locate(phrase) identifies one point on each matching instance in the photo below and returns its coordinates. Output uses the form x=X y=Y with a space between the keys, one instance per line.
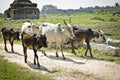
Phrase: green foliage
x=1 y=15
x=101 y=11
x=11 y=71
x=113 y=19
x=117 y=4
x=109 y=25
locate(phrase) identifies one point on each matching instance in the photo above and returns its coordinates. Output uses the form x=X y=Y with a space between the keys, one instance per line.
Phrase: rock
x=110 y=50
x=115 y=43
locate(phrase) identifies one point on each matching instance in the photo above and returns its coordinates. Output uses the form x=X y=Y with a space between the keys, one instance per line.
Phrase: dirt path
x=69 y=69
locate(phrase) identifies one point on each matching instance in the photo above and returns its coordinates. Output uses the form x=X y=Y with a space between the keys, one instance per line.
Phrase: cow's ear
x=44 y=25
x=11 y=29
x=99 y=30
x=29 y=26
x=37 y=27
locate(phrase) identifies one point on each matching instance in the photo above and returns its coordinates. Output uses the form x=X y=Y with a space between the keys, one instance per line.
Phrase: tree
x=117 y=5
x=97 y=7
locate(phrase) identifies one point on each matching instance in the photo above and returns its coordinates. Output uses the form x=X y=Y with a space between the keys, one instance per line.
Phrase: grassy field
x=11 y=71
x=105 y=21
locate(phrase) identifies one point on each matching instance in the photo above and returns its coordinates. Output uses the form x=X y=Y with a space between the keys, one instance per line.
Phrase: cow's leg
x=24 y=50
x=57 y=50
x=36 y=57
x=5 y=48
x=86 y=52
x=11 y=43
x=89 y=48
x=25 y=54
x=61 y=47
x=72 y=46
x=43 y=51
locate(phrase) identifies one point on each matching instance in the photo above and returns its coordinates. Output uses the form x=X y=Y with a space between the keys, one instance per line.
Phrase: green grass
x=80 y=19
x=98 y=54
x=12 y=71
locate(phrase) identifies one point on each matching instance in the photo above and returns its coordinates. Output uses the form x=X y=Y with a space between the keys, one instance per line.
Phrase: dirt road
x=70 y=69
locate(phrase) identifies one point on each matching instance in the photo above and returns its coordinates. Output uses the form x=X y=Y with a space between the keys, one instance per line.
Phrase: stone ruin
x=22 y=9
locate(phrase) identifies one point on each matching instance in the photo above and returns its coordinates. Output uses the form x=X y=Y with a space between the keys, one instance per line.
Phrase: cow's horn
x=64 y=22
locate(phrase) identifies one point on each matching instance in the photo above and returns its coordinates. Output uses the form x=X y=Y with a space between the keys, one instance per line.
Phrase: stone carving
x=22 y=9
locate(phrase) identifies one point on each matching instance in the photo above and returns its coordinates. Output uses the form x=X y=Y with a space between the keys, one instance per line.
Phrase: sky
x=63 y=4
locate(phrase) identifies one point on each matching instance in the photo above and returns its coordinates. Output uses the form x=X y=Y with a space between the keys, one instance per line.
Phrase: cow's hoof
x=38 y=65
x=45 y=54
x=57 y=56
x=64 y=58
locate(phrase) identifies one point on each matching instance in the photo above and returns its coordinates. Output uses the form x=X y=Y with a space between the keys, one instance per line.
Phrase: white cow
x=55 y=33
x=30 y=28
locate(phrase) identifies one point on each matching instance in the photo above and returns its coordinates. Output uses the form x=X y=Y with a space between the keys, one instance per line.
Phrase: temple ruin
x=22 y=9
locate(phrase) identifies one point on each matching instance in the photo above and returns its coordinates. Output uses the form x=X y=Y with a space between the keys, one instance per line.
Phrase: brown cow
x=83 y=34
x=35 y=42
x=11 y=35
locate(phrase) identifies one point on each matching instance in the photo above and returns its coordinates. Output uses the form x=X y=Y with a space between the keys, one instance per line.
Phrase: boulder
x=110 y=50
x=115 y=43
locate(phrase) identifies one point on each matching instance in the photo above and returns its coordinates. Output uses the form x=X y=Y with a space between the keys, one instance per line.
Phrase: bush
x=97 y=18
x=112 y=19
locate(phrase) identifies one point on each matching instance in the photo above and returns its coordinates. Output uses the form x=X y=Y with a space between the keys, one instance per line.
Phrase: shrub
x=97 y=18
x=112 y=19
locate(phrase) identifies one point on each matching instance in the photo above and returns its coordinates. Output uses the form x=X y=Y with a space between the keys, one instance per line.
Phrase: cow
x=11 y=35
x=87 y=35
x=55 y=33
x=35 y=42
x=30 y=38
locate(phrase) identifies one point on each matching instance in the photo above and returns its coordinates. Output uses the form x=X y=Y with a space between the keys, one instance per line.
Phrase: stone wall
x=20 y=9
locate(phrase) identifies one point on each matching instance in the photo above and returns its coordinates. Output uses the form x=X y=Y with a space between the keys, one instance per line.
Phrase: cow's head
x=69 y=30
x=43 y=41
x=99 y=36
x=35 y=29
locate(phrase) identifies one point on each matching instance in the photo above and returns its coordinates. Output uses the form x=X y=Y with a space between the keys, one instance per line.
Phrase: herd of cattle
x=38 y=37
